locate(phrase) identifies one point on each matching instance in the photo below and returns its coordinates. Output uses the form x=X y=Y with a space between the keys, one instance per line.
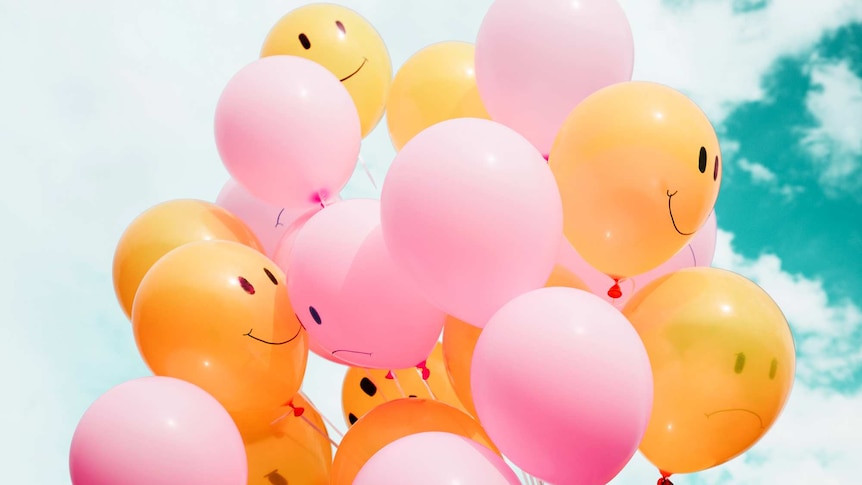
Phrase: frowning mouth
x=364 y=60
x=351 y=352
x=273 y=343
x=670 y=210
x=759 y=419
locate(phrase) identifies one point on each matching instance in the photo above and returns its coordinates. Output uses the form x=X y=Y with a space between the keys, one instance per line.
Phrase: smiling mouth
x=670 y=210
x=364 y=60
x=759 y=419
x=273 y=343
x=351 y=352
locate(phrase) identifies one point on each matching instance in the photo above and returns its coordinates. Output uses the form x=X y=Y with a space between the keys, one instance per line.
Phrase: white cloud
x=835 y=144
x=107 y=110
x=759 y=172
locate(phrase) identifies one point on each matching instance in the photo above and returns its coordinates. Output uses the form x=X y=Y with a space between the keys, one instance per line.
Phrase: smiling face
x=723 y=362
x=639 y=170
x=217 y=314
x=344 y=42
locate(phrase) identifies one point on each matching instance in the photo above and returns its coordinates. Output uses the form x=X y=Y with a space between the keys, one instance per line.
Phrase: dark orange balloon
x=459 y=340
x=365 y=389
x=167 y=226
x=397 y=419
x=216 y=314
x=284 y=448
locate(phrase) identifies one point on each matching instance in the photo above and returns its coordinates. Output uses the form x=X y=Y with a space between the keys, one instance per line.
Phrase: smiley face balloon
x=723 y=363
x=344 y=42
x=639 y=169
x=217 y=314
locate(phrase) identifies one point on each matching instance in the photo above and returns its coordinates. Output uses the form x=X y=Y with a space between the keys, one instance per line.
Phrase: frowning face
x=345 y=43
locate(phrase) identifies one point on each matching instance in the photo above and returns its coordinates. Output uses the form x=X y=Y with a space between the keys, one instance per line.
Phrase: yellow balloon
x=168 y=226
x=436 y=84
x=365 y=389
x=723 y=363
x=344 y=42
x=639 y=169
x=284 y=446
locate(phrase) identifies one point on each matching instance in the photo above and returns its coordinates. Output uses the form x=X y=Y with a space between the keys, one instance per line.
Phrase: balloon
x=365 y=389
x=637 y=166
x=698 y=252
x=535 y=61
x=436 y=84
x=723 y=362
x=268 y=222
x=217 y=314
x=286 y=446
x=470 y=211
x=156 y=431
x=343 y=42
x=288 y=132
x=435 y=458
x=352 y=298
x=459 y=340
x=397 y=419
x=562 y=385
x=164 y=227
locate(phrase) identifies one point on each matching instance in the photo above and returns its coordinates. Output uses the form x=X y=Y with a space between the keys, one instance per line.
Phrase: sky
x=106 y=109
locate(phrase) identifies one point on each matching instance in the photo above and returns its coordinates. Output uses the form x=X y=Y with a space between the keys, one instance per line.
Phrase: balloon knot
x=665 y=478
x=615 y=291
x=547 y=157
x=389 y=375
x=426 y=372
x=297 y=411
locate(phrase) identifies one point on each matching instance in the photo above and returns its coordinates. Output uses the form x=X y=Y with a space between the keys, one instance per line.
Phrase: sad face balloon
x=344 y=42
x=723 y=363
x=351 y=297
x=639 y=169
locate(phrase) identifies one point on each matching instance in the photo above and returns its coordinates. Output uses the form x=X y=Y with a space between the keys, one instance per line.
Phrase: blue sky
x=106 y=109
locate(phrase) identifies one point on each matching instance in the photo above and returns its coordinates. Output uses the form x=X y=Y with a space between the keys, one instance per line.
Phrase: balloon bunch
x=549 y=217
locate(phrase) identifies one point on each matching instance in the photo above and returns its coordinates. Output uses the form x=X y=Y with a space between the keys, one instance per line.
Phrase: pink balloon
x=351 y=297
x=268 y=222
x=288 y=131
x=562 y=384
x=535 y=61
x=435 y=458
x=157 y=431
x=471 y=211
x=698 y=252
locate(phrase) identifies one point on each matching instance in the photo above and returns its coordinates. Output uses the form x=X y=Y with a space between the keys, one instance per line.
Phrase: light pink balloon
x=698 y=252
x=535 y=61
x=268 y=222
x=352 y=298
x=157 y=431
x=471 y=211
x=562 y=384
x=287 y=130
x=435 y=458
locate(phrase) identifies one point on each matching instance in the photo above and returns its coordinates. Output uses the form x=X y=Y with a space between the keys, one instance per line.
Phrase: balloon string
x=316 y=428
x=367 y=172
x=368 y=375
x=427 y=387
x=397 y=383
x=325 y=419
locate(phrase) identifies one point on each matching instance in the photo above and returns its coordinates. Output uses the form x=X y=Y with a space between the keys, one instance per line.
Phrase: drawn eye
x=352 y=418
x=303 y=39
x=715 y=170
x=368 y=387
x=340 y=26
x=773 y=368
x=248 y=287
x=701 y=159
x=315 y=315
x=740 y=363
x=270 y=276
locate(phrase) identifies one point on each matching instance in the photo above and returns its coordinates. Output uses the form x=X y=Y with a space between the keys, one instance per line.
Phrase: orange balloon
x=217 y=314
x=283 y=448
x=365 y=389
x=638 y=168
x=459 y=340
x=397 y=419
x=723 y=363
x=167 y=226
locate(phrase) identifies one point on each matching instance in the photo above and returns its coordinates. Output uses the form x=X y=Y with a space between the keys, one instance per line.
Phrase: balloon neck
x=297 y=411
x=615 y=291
x=426 y=372
x=389 y=375
x=321 y=198
x=665 y=478
x=547 y=157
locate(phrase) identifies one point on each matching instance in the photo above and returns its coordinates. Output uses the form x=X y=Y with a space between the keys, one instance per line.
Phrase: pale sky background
x=106 y=109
